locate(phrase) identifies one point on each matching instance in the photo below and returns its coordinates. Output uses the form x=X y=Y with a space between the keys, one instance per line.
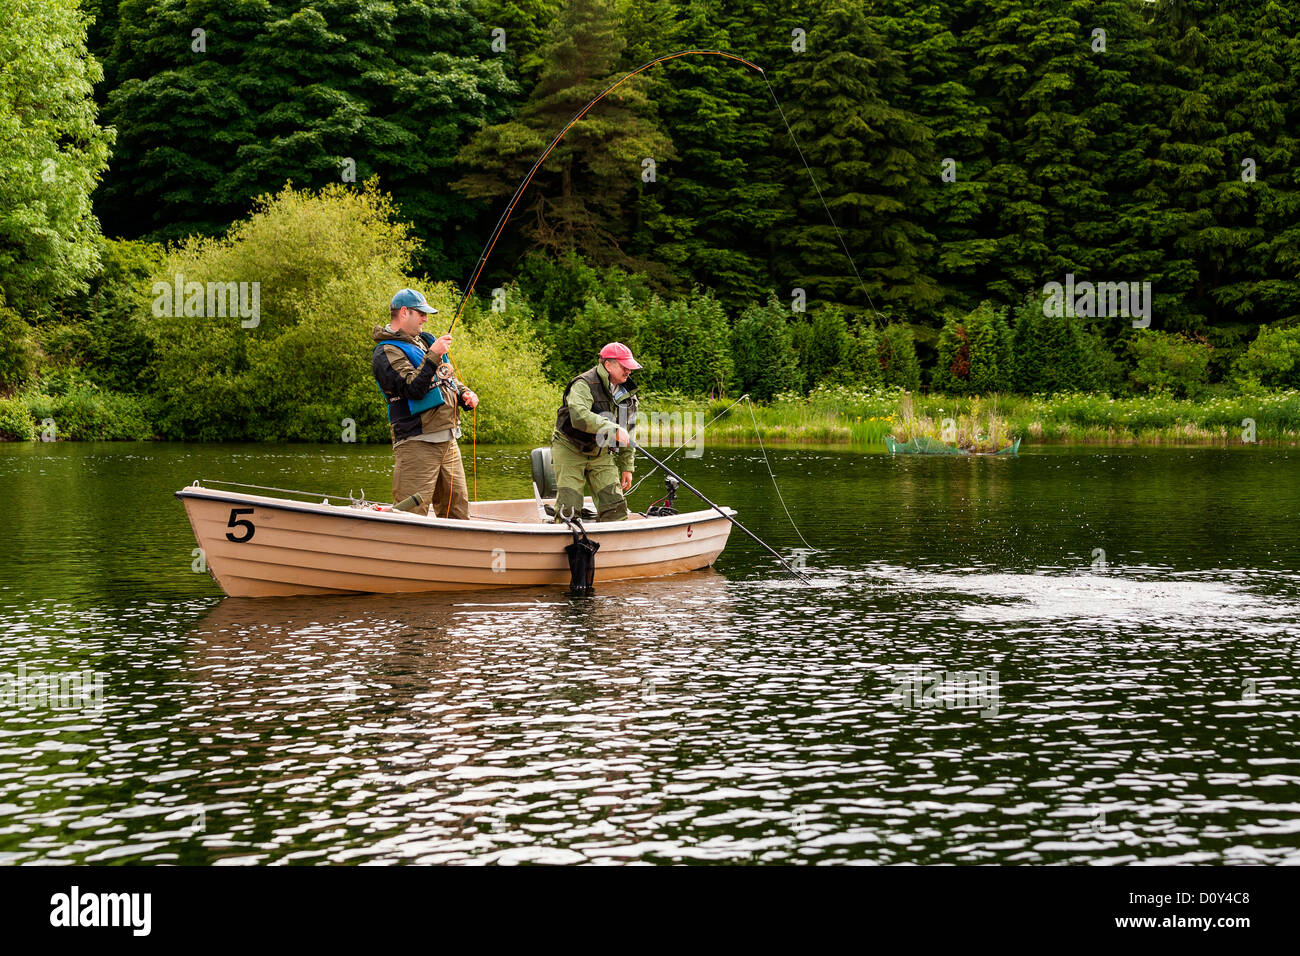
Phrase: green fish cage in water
x=924 y=445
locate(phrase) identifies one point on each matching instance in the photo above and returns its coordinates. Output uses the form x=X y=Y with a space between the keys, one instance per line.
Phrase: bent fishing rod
x=514 y=200
x=505 y=216
x=691 y=488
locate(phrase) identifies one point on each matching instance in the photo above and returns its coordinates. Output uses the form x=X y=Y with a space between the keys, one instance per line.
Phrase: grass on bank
x=828 y=415
x=841 y=415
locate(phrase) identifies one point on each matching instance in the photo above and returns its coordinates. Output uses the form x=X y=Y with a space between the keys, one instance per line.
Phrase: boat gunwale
x=490 y=525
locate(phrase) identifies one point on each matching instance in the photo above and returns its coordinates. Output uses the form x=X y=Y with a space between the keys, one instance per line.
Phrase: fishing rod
x=505 y=216
x=691 y=488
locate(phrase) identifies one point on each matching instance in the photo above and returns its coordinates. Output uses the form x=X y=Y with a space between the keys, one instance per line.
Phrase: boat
x=259 y=545
x=923 y=445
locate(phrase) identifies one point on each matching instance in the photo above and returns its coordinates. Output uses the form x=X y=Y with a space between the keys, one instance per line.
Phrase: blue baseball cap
x=410 y=299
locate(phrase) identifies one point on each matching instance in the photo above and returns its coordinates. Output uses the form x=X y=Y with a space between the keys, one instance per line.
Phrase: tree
x=896 y=353
x=52 y=153
x=974 y=352
x=763 y=350
x=869 y=159
x=709 y=217
x=579 y=198
x=218 y=103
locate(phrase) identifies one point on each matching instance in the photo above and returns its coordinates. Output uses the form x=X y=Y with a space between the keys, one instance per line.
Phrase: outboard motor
x=664 y=506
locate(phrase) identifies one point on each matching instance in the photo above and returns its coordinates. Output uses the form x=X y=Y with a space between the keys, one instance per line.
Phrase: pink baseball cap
x=621 y=354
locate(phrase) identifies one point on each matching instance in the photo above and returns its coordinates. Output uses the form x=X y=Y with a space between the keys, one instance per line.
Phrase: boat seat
x=544 y=488
x=543 y=473
x=543 y=482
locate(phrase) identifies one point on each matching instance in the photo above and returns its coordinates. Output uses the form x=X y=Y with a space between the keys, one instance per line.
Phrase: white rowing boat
x=261 y=546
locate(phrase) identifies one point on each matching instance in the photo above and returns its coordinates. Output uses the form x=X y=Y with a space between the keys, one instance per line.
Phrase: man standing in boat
x=591 y=446
x=415 y=376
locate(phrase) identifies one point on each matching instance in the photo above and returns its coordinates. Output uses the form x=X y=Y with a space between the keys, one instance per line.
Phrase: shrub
x=117 y=351
x=974 y=352
x=327 y=264
x=1169 y=362
x=763 y=350
x=501 y=359
x=861 y=366
x=1272 y=359
x=19 y=353
x=85 y=412
x=684 y=344
x=1057 y=354
x=600 y=321
x=16 y=422
x=896 y=355
x=822 y=343
x=559 y=290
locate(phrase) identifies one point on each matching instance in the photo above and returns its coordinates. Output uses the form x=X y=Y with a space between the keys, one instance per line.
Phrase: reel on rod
x=664 y=506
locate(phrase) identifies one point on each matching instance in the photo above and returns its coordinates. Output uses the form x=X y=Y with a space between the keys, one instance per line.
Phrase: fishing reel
x=664 y=506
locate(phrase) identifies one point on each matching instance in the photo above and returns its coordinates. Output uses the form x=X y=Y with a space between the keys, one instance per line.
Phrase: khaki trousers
x=576 y=473
x=435 y=470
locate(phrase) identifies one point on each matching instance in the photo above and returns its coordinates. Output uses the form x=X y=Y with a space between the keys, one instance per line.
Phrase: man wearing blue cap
x=415 y=376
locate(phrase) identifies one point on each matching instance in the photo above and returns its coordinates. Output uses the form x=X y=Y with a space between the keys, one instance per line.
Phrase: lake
x=1080 y=655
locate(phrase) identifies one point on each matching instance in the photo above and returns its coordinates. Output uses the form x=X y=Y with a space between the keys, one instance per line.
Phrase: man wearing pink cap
x=591 y=447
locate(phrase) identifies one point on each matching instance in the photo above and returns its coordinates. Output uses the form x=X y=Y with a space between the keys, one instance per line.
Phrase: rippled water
x=1080 y=656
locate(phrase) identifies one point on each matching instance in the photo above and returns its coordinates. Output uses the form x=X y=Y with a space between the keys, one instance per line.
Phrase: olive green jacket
x=583 y=417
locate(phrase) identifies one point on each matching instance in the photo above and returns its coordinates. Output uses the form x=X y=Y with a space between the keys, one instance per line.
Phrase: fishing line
x=773 y=476
x=838 y=234
x=669 y=456
x=748 y=401
x=514 y=200
x=505 y=216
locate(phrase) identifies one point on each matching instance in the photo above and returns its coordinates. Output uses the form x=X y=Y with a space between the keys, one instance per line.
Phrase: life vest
x=602 y=403
x=432 y=399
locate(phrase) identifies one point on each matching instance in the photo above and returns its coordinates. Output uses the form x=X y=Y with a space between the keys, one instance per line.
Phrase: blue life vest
x=432 y=399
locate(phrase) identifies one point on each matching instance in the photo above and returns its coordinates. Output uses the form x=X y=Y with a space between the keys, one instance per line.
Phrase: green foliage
x=685 y=344
x=871 y=159
x=1054 y=353
x=1169 y=362
x=682 y=344
x=16 y=422
x=308 y=91
x=578 y=343
x=710 y=215
x=862 y=358
x=1273 y=359
x=19 y=352
x=327 y=263
x=896 y=354
x=763 y=351
x=559 y=290
x=968 y=152
x=580 y=198
x=524 y=23
x=52 y=152
x=823 y=343
x=118 y=353
x=975 y=352
x=990 y=348
x=102 y=333
x=501 y=359
x=81 y=411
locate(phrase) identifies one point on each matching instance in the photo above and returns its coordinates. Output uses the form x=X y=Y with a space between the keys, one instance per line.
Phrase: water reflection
x=1146 y=711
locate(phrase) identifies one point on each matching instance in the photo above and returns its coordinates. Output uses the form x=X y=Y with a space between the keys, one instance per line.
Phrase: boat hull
x=257 y=546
